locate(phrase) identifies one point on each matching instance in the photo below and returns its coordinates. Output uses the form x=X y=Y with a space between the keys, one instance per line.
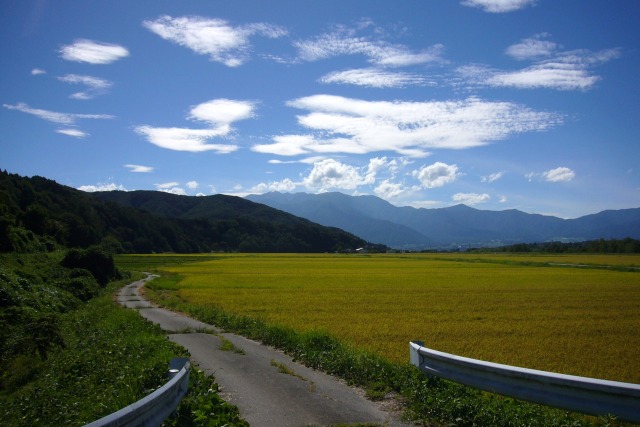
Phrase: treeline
x=38 y=214
x=600 y=246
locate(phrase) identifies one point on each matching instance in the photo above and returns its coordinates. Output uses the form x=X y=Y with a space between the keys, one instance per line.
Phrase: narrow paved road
x=252 y=379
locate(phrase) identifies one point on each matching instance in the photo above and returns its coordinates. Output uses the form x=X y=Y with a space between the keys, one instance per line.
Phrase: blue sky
x=498 y=104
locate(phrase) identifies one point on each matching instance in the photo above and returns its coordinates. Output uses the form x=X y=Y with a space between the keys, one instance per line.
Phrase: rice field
x=523 y=310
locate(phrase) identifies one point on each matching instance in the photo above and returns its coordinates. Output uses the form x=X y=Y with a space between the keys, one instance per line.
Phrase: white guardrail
x=572 y=393
x=153 y=409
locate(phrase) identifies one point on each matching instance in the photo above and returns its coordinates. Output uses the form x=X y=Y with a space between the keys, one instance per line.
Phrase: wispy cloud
x=139 y=168
x=532 y=48
x=307 y=160
x=76 y=133
x=554 y=69
x=498 y=6
x=346 y=125
x=37 y=72
x=67 y=119
x=213 y=37
x=374 y=77
x=559 y=174
x=95 y=85
x=492 y=177
x=218 y=113
x=93 y=52
x=345 y=41
x=56 y=117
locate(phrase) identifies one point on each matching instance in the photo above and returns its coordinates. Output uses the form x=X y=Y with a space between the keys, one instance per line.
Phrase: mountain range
x=377 y=220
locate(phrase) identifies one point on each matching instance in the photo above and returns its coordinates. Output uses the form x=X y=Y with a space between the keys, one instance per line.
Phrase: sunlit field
x=514 y=309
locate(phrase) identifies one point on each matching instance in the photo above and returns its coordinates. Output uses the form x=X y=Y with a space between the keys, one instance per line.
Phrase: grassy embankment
x=67 y=361
x=354 y=316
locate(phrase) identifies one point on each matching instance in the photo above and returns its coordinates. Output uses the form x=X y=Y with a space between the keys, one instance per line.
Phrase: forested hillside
x=38 y=214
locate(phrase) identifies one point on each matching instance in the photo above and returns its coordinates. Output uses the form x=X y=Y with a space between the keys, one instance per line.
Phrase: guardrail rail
x=153 y=409
x=577 y=394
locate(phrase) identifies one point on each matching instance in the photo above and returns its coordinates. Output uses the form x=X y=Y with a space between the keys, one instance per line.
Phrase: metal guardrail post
x=577 y=394
x=153 y=409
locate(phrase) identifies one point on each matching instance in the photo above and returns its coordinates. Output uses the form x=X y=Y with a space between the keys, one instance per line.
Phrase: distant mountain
x=374 y=219
x=38 y=214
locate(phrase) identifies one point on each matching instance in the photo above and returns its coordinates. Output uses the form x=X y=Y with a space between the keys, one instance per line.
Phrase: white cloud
x=532 y=47
x=96 y=86
x=102 y=187
x=192 y=185
x=307 y=160
x=561 y=174
x=374 y=77
x=498 y=6
x=219 y=113
x=389 y=190
x=171 y=188
x=93 y=52
x=375 y=165
x=181 y=139
x=330 y=174
x=379 y=52
x=286 y=145
x=492 y=177
x=213 y=37
x=166 y=185
x=55 y=117
x=73 y=132
x=560 y=70
x=436 y=175
x=284 y=186
x=139 y=168
x=37 y=72
x=470 y=198
x=376 y=176
x=347 y=125
x=222 y=112
x=175 y=190
x=550 y=75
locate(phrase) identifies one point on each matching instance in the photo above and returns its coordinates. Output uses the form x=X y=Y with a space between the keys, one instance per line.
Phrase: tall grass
x=432 y=401
x=325 y=309
x=580 y=321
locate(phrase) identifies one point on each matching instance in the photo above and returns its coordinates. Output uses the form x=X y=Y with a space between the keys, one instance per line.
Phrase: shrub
x=97 y=261
x=81 y=284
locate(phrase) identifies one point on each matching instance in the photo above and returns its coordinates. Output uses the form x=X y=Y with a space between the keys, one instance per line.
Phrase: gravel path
x=268 y=387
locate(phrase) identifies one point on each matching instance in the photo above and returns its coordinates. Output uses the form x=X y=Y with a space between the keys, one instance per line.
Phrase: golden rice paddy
x=530 y=311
